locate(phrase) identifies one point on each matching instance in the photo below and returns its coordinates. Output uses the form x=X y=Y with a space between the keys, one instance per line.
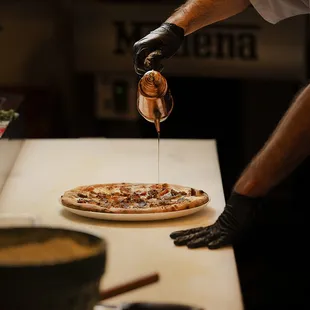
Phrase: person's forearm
x=195 y=14
x=287 y=147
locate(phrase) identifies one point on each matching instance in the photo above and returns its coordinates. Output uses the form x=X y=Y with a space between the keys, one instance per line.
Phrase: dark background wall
x=50 y=56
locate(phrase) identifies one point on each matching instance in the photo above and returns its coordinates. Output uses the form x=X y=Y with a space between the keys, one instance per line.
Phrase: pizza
x=134 y=198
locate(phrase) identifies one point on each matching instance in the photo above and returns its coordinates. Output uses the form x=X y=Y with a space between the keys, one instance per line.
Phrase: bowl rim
x=102 y=247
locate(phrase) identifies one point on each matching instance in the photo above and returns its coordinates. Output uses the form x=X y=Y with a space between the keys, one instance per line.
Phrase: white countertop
x=9 y=149
x=44 y=169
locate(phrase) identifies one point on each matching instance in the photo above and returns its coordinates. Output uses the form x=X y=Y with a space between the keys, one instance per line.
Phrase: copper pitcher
x=154 y=100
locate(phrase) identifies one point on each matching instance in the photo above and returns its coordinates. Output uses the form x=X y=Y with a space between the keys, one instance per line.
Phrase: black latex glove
x=236 y=219
x=167 y=39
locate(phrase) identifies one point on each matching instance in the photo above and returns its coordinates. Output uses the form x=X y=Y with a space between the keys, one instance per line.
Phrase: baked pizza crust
x=199 y=197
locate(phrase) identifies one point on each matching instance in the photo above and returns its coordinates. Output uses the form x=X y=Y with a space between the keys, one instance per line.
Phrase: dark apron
x=272 y=261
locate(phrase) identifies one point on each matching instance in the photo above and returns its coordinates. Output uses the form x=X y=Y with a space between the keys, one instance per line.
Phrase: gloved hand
x=167 y=39
x=238 y=216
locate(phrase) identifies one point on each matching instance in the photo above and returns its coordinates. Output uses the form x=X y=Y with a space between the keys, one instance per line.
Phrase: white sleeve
x=274 y=11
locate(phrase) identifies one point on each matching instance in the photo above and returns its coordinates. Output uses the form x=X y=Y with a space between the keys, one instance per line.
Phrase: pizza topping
x=118 y=199
x=125 y=190
x=155 y=186
x=125 y=205
x=101 y=195
x=152 y=194
x=163 y=195
x=104 y=204
x=82 y=200
x=164 y=191
x=142 y=204
x=173 y=192
x=136 y=198
x=167 y=196
x=94 y=202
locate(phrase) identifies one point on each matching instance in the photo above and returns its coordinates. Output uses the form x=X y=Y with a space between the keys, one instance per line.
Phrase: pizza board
x=135 y=217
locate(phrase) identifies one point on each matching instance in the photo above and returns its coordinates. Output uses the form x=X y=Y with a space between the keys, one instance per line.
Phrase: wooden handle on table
x=129 y=286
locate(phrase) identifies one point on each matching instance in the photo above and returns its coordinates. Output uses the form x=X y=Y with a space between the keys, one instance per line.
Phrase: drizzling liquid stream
x=157 y=126
x=158 y=156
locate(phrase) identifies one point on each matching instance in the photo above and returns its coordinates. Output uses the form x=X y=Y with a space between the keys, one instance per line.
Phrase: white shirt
x=274 y=11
